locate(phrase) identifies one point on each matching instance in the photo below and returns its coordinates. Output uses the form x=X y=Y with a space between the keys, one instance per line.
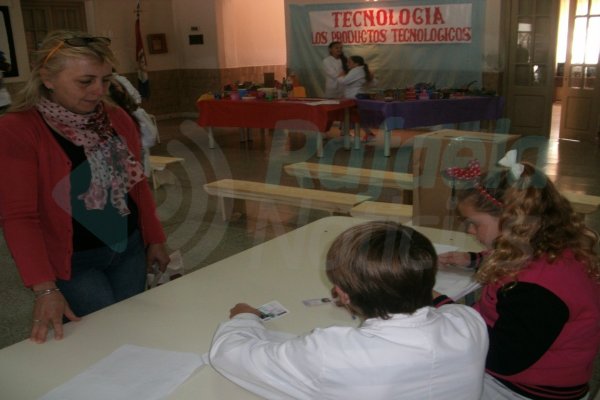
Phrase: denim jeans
x=101 y=277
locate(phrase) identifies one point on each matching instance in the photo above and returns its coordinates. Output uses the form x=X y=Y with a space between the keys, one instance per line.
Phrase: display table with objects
x=389 y=115
x=302 y=114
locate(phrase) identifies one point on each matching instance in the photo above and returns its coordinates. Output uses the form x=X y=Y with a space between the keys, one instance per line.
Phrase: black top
x=94 y=228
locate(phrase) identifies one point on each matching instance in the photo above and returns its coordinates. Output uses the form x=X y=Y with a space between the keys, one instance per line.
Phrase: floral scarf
x=112 y=165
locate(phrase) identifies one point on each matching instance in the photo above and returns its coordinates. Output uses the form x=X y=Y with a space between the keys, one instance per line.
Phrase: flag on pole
x=140 y=56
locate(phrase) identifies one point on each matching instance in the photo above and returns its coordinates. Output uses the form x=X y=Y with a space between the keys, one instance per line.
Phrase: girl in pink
x=541 y=293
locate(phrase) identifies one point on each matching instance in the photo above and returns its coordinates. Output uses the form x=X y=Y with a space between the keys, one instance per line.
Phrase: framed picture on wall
x=7 y=44
x=157 y=43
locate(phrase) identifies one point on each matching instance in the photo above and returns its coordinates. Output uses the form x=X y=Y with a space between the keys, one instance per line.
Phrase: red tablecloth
x=416 y=113
x=271 y=114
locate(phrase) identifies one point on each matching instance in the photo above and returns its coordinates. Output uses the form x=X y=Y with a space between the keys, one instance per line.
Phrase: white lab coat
x=353 y=81
x=332 y=67
x=433 y=354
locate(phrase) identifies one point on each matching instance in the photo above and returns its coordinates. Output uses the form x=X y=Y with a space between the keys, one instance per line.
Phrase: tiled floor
x=190 y=219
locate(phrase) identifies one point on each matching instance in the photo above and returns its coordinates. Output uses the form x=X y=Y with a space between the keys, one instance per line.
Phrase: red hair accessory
x=488 y=196
x=470 y=173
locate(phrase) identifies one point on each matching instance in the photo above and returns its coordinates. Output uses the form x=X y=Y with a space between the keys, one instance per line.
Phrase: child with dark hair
x=355 y=81
x=126 y=96
x=5 y=99
x=355 y=78
x=541 y=294
x=404 y=348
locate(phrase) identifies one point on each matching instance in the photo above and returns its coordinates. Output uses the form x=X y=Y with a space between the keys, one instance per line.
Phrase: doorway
x=578 y=51
x=550 y=59
x=531 y=27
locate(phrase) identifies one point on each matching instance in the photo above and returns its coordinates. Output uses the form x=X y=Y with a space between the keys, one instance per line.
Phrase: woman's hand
x=48 y=312
x=242 y=308
x=454 y=259
x=157 y=253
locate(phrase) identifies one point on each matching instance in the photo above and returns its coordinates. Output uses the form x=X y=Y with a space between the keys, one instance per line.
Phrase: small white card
x=316 y=302
x=272 y=310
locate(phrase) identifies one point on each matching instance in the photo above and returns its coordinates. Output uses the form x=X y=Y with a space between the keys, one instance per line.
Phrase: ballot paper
x=455 y=282
x=130 y=373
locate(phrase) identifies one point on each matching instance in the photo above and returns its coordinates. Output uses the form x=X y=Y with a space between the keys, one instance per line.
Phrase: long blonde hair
x=535 y=220
x=52 y=56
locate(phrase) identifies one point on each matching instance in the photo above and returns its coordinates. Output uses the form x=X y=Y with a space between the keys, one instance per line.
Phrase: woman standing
x=76 y=210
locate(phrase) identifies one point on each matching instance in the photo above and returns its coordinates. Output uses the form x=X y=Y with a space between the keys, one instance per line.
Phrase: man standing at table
x=333 y=66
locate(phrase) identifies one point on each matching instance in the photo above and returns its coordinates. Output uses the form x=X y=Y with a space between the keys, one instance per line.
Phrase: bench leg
x=319 y=144
x=155 y=183
x=387 y=139
x=211 y=138
x=226 y=206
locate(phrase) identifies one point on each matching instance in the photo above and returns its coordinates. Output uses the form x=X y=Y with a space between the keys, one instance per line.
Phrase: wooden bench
x=363 y=176
x=582 y=203
x=332 y=202
x=377 y=210
x=158 y=164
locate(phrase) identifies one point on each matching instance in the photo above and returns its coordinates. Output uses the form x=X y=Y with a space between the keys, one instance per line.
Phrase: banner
x=140 y=56
x=404 y=42
x=426 y=24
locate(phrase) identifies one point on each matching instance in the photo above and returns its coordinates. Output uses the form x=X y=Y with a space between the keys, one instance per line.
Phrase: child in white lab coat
x=403 y=348
x=355 y=81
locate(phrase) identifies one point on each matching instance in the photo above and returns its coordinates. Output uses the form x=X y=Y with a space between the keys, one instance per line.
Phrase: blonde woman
x=76 y=210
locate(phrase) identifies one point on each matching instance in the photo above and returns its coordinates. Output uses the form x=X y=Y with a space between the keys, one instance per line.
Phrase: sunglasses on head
x=77 y=41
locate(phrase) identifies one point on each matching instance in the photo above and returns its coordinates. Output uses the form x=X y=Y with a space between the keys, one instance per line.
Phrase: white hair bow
x=510 y=161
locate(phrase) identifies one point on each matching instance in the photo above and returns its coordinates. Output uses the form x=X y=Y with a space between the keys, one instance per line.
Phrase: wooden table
x=303 y=114
x=182 y=315
x=391 y=115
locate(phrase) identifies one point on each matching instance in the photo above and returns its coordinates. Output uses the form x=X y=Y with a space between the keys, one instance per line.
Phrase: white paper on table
x=455 y=282
x=129 y=373
x=320 y=102
x=443 y=248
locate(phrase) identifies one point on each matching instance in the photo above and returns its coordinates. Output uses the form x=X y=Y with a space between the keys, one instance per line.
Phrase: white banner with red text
x=426 y=24
x=404 y=42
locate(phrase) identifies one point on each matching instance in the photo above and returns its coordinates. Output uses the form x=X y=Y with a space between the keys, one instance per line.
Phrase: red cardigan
x=34 y=180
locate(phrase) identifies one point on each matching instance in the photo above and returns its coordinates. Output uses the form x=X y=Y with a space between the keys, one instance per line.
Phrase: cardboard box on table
x=436 y=151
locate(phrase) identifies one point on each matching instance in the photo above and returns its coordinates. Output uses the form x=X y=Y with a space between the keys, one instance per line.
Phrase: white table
x=182 y=315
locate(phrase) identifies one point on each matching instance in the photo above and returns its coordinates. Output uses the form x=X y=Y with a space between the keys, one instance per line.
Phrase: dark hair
x=384 y=267
x=118 y=94
x=358 y=60
x=535 y=220
x=343 y=57
x=336 y=42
